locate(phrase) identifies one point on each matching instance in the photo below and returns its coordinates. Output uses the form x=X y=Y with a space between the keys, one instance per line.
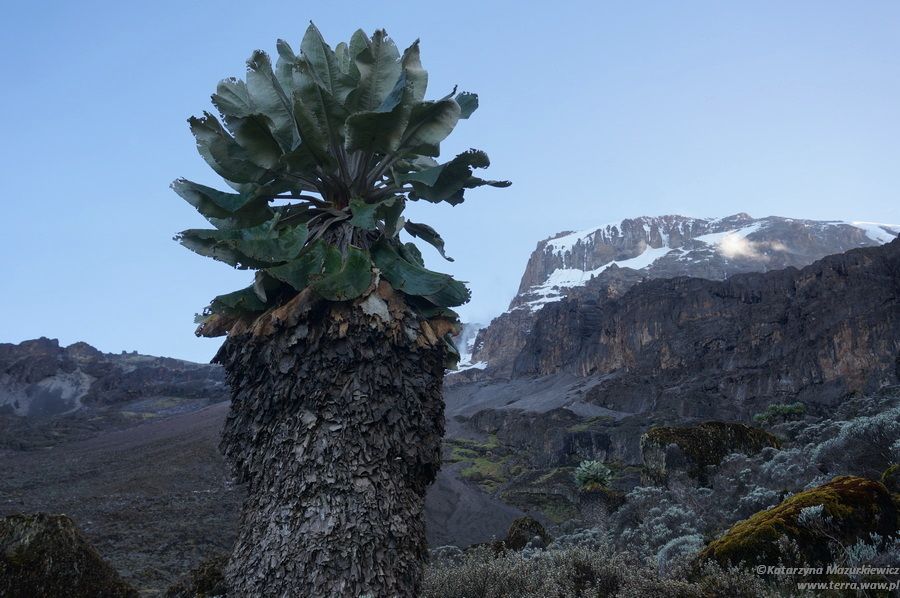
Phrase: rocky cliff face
x=38 y=379
x=698 y=347
x=612 y=258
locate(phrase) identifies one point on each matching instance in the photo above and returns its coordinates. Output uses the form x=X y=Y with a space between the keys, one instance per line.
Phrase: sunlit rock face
x=700 y=347
x=602 y=263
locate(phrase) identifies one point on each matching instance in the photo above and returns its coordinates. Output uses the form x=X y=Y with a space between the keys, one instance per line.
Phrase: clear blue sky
x=596 y=111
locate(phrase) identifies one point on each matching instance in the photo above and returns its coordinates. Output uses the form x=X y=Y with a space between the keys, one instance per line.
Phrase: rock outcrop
x=725 y=349
x=691 y=449
x=45 y=555
x=611 y=258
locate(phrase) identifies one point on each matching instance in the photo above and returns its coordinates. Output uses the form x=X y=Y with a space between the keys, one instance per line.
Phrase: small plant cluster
x=780 y=412
x=592 y=475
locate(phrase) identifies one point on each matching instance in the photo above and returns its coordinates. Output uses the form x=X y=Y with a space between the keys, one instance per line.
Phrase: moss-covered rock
x=206 y=581
x=522 y=530
x=46 y=555
x=693 y=448
x=847 y=509
x=891 y=478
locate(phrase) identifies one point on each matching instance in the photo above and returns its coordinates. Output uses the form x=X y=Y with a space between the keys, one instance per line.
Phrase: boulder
x=46 y=555
x=205 y=581
x=845 y=510
x=694 y=448
x=522 y=531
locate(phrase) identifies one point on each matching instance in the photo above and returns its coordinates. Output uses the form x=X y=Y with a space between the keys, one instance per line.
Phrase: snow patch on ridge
x=732 y=244
x=465 y=344
x=565 y=278
x=880 y=233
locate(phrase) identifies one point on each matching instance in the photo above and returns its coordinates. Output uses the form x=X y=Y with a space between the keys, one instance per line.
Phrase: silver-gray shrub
x=864 y=445
x=678 y=549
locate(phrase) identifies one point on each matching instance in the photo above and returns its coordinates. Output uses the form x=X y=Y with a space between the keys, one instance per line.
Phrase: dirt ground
x=155 y=499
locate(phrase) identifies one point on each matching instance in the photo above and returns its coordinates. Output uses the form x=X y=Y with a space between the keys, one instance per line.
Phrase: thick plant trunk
x=335 y=425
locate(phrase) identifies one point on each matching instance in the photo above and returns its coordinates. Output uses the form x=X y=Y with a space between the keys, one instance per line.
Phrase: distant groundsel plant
x=336 y=352
x=592 y=474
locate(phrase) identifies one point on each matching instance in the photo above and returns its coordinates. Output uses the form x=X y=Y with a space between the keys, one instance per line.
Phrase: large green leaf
x=429 y=310
x=457 y=169
x=344 y=278
x=201 y=242
x=274 y=246
x=389 y=211
x=378 y=63
x=313 y=127
x=415 y=78
x=224 y=210
x=223 y=154
x=363 y=213
x=427 y=234
x=256 y=247
x=410 y=252
x=429 y=124
x=381 y=129
x=297 y=272
x=233 y=99
x=238 y=302
x=267 y=93
x=319 y=114
x=286 y=67
x=346 y=63
x=253 y=133
x=302 y=162
x=412 y=279
x=325 y=65
x=468 y=103
x=445 y=182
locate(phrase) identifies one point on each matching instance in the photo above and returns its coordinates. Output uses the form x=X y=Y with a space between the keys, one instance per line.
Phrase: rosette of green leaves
x=322 y=151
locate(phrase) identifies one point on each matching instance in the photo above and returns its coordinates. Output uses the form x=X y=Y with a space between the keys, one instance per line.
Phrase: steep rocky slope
x=728 y=348
x=602 y=365
x=612 y=258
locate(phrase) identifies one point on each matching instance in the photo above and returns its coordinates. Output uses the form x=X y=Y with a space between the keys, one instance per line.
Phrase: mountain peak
x=674 y=245
x=613 y=257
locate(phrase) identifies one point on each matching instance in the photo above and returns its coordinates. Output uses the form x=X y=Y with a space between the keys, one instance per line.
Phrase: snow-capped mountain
x=614 y=257
x=667 y=246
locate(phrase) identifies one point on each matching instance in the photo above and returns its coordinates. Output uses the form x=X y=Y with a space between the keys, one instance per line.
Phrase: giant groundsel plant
x=322 y=151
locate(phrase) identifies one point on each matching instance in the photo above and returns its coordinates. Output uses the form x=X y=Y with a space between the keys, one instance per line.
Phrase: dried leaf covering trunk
x=335 y=425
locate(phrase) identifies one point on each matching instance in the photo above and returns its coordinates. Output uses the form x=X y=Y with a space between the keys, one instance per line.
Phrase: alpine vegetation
x=592 y=474
x=336 y=352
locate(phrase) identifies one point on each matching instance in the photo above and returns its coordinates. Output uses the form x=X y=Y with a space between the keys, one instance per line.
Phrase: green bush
x=592 y=474
x=780 y=411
